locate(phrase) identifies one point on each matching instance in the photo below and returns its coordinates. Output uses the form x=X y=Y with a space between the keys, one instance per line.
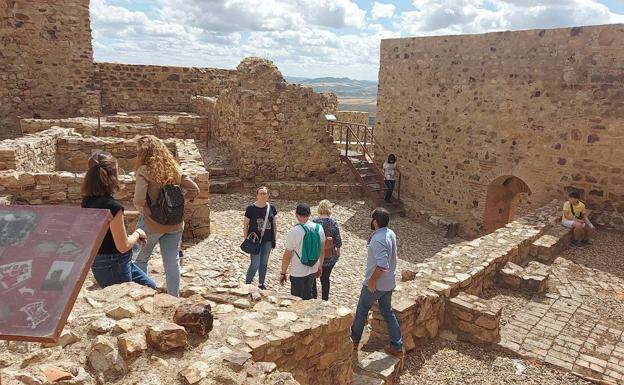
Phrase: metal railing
x=361 y=136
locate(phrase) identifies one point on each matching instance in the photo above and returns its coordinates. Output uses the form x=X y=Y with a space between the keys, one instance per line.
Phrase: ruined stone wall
x=73 y=152
x=46 y=61
x=329 y=102
x=42 y=184
x=126 y=87
x=276 y=130
x=358 y=117
x=545 y=106
x=181 y=126
x=422 y=301
x=32 y=152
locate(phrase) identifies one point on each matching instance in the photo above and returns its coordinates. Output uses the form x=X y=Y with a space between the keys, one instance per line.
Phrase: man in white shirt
x=302 y=276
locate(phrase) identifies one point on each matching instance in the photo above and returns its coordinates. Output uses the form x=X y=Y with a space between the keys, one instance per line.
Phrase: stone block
x=474 y=319
x=131 y=346
x=166 y=336
x=195 y=318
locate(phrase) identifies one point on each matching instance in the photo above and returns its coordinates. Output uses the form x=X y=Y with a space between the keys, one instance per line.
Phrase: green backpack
x=311 y=248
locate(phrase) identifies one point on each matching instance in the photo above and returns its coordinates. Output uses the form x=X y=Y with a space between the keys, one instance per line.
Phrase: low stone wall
x=444 y=225
x=127 y=87
x=474 y=319
x=31 y=152
x=358 y=117
x=207 y=107
x=316 y=350
x=85 y=126
x=63 y=187
x=180 y=126
x=309 y=190
x=467 y=267
x=73 y=153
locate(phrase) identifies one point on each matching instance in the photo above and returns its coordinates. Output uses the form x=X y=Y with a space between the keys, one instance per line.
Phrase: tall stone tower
x=46 y=61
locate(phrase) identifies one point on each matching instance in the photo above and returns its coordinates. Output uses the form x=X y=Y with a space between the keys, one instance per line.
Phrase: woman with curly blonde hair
x=155 y=168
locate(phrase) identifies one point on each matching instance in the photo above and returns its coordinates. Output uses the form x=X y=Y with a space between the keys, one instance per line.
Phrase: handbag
x=251 y=244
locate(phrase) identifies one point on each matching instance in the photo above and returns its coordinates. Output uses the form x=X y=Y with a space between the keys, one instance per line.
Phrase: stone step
x=547 y=247
x=363 y=379
x=532 y=278
x=220 y=171
x=225 y=185
x=377 y=368
x=474 y=319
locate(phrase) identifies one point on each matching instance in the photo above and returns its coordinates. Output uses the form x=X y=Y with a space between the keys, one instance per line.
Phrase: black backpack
x=169 y=206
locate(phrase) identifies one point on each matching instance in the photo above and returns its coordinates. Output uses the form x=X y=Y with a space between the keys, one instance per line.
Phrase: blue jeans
x=169 y=246
x=110 y=269
x=367 y=299
x=260 y=262
x=389 y=189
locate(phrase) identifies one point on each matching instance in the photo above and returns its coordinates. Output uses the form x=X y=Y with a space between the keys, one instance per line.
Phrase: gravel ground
x=605 y=254
x=456 y=363
x=415 y=242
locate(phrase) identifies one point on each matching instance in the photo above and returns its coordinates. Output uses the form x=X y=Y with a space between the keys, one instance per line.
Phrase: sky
x=311 y=38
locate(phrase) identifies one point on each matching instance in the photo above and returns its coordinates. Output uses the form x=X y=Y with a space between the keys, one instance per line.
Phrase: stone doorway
x=503 y=196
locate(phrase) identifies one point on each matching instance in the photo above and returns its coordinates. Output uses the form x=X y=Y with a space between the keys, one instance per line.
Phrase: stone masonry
x=37 y=184
x=545 y=106
x=127 y=87
x=262 y=122
x=32 y=152
x=46 y=61
x=468 y=267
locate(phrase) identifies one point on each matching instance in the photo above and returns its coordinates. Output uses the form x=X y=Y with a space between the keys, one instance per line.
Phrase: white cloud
x=436 y=17
x=382 y=10
x=307 y=37
x=253 y=15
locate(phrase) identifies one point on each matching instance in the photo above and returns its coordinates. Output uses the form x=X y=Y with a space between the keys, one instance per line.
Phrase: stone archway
x=503 y=195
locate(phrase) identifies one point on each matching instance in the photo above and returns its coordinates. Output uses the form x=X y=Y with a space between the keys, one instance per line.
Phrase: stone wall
x=276 y=130
x=181 y=126
x=31 y=152
x=329 y=102
x=49 y=186
x=358 y=117
x=421 y=302
x=73 y=152
x=312 y=191
x=46 y=61
x=126 y=87
x=545 y=106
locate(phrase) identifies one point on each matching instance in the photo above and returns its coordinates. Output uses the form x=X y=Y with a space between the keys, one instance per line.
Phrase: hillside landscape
x=353 y=95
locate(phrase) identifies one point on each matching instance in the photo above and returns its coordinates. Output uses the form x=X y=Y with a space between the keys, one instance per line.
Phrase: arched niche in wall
x=503 y=195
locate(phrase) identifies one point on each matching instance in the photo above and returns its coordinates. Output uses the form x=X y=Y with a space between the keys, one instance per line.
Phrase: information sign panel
x=45 y=255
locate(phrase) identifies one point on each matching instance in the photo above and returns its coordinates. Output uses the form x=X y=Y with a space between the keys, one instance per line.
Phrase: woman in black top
x=253 y=222
x=113 y=262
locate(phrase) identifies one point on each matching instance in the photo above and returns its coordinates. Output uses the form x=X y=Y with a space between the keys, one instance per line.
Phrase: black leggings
x=324 y=283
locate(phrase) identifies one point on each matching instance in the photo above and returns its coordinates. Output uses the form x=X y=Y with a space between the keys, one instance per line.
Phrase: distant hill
x=342 y=87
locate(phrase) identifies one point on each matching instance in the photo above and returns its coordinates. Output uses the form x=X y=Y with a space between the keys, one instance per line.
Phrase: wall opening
x=503 y=196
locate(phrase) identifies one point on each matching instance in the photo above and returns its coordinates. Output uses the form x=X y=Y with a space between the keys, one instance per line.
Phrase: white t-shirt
x=294 y=243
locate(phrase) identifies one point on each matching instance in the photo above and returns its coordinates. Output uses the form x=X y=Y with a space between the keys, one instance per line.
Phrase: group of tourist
x=312 y=247
x=260 y=222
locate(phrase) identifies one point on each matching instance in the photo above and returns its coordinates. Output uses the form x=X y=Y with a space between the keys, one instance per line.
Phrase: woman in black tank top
x=113 y=262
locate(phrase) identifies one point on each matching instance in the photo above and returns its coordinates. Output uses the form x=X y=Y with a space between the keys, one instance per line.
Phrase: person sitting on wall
x=576 y=217
x=113 y=262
